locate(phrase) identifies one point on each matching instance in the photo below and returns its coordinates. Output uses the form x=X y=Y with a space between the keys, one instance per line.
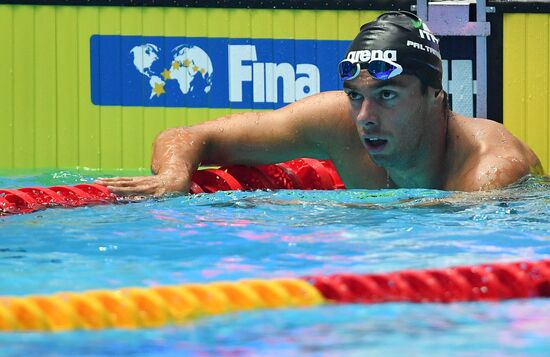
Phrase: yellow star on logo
x=203 y=71
x=165 y=74
x=186 y=63
x=159 y=89
x=195 y=68
x=175 y=65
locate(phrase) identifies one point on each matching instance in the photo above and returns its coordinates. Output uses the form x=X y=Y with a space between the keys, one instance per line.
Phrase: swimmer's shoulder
x=493 y=157
x=500 y=142
x=487 y=137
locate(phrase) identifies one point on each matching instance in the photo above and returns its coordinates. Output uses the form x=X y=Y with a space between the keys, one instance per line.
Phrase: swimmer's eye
x=387 y=94
x=353 y=95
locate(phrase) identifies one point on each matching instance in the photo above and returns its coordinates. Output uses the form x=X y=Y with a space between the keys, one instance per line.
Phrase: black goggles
x=378 y=69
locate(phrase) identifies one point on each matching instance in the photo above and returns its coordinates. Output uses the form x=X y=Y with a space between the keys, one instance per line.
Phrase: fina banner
x=202 y=72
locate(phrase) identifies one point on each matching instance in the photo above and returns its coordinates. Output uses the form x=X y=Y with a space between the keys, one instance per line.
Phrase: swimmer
x=390 y=127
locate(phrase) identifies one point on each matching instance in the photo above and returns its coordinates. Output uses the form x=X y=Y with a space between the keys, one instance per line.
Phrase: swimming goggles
x=378 y=69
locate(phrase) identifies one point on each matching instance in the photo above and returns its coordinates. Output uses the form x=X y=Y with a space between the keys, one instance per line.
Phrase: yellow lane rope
x=132 y=308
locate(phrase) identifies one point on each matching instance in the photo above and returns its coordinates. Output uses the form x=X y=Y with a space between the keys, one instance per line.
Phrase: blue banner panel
x=202 y=72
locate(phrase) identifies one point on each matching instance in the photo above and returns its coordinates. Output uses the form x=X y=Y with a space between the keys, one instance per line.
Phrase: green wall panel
x=6 y=89
x=67 y=86
x=24 y=68
x=45 y=86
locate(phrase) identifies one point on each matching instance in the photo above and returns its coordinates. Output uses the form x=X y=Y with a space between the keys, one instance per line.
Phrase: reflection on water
x=530 y=187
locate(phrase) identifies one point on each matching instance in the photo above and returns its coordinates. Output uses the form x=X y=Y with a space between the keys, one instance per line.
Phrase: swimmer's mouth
x=375 y=143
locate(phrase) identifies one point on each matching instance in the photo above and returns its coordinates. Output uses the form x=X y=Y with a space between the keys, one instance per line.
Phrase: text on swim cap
x=428 y=35
x=369 y=55
x=424 y=48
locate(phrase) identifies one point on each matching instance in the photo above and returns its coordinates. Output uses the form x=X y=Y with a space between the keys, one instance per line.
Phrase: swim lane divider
x=135 y=307
x=302 y=173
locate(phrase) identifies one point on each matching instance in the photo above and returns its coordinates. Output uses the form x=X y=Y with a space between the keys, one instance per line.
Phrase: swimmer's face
x=392 y=117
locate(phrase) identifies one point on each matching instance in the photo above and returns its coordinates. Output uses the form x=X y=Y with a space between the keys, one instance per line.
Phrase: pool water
x=235 y=235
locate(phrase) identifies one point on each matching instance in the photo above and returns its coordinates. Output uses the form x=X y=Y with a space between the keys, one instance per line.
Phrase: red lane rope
x=152 y=307
x=30 y=199
x=486 y=282
x=300 y=174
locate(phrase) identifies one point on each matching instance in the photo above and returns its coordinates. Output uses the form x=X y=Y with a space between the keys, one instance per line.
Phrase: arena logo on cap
x=368 y=55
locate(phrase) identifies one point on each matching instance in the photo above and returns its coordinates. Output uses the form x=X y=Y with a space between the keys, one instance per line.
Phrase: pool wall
x=60 y=108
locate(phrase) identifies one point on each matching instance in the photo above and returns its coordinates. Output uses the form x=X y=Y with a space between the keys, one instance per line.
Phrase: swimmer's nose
x=367 y=115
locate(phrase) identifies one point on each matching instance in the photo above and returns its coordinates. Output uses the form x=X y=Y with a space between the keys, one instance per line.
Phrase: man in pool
x=390 y=127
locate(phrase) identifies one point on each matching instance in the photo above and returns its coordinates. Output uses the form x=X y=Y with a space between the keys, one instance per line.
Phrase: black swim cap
x=400 y=37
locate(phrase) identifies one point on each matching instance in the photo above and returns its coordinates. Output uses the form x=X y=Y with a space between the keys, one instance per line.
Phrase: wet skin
x=379 y=134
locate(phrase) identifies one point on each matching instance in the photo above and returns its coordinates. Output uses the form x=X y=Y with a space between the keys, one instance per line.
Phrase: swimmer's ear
x=439 y=97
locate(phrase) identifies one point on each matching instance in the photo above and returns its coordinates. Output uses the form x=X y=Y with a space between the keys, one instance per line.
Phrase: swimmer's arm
x=263 y=137
x=499 y=173
x=172 y=166
x=305 y=128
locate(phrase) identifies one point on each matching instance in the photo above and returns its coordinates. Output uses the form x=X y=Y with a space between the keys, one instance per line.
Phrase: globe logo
x=190 y=66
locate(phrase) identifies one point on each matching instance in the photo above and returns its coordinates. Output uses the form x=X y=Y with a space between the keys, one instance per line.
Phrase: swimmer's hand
x=156 y=185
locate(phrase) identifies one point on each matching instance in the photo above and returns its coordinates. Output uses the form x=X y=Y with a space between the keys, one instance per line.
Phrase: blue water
x=234 y=235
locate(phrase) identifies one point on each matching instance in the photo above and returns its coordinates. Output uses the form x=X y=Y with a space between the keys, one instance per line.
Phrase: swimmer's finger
x=131 y=190
x=114 y=179
x=138 y=198
x=124 y=184
x=151 y=185
x=135 y=182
